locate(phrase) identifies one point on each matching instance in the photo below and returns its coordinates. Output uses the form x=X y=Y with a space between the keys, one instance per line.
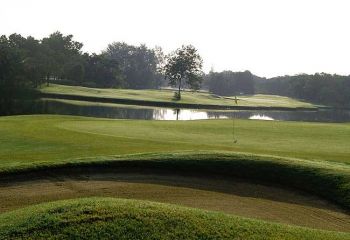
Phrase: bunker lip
x=324 y=183
x=233 y=196
x=299 y=177
x=151 y=175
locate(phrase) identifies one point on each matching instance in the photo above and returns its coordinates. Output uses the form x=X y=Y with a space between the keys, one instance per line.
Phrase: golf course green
x=293 y=173
x=48 y=138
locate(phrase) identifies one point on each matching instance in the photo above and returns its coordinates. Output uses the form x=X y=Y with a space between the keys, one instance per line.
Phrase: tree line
x=32 y=62
x=228 y=83
x=27 y=63
x=320 y=88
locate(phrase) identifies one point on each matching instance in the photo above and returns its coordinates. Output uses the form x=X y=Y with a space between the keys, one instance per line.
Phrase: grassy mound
x=108 y=218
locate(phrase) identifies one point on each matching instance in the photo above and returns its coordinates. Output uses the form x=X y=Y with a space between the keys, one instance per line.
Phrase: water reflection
x=261 y=117
x=178 y=114
x=133 y=112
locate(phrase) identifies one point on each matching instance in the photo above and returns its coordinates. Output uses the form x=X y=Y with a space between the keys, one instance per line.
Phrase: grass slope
x=202 y=98
x=106 y=218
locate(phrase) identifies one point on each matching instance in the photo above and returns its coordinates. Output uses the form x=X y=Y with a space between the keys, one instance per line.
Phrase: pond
x=154 y=113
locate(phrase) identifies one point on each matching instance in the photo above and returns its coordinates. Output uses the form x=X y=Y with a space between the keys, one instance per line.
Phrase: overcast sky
x=267 y=37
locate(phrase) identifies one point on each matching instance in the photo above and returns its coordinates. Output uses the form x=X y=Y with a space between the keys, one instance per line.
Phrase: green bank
x=107 y=218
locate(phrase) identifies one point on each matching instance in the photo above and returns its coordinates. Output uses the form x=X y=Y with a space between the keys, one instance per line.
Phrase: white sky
x=267 y=37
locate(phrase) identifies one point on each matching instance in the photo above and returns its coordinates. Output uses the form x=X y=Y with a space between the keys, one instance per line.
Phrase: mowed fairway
x=47 y=138
x=203 y=98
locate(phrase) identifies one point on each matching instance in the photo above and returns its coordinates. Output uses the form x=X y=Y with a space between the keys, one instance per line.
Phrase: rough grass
x=202 y=98
x=107 y=218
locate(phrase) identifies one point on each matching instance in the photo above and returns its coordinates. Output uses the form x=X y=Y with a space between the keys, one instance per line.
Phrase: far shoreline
x=170 y=104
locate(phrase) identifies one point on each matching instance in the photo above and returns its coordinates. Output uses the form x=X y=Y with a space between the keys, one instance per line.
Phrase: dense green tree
x=138 y=64
x=101 y=71
x=184 y=66
x=59 y=50
x=17 y=71
x=75 y=72
x=34 y=62
x=12 y=73
x=230 y=83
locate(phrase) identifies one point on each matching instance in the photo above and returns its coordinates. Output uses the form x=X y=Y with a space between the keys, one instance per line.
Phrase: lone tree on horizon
x=184 y=66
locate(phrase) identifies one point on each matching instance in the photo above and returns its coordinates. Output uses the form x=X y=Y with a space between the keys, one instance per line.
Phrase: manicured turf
x=187 y=97
x=47 y=138
x=107 y=218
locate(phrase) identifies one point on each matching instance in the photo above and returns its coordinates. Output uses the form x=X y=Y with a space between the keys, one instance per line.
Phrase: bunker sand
x=229 y=196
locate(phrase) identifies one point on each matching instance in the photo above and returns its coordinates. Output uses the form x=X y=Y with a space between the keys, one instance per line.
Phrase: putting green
x=47 y=138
